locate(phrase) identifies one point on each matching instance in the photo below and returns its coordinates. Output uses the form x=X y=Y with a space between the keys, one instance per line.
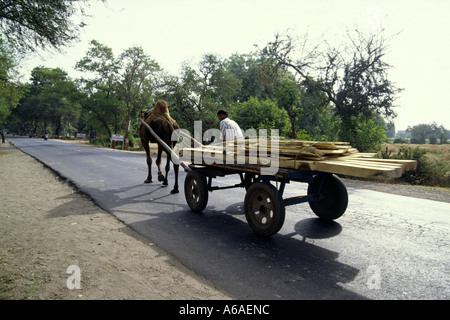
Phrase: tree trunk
x=127 y=128
x=294 y=132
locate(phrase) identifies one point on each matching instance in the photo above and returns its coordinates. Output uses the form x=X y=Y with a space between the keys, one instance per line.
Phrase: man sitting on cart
x=229 y=128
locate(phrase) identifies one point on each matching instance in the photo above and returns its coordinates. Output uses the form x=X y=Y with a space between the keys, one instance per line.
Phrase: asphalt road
x=385 y=246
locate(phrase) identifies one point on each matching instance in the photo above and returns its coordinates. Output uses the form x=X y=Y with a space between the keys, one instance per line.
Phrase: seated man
x=230 y=129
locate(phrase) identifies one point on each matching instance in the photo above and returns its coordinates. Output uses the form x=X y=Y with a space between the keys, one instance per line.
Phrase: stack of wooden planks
x=333 y=157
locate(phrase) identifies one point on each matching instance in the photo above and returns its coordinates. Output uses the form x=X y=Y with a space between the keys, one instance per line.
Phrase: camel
x=163 y=125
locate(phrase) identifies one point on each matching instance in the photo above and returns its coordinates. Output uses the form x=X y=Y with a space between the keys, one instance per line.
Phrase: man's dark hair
x=222 y=112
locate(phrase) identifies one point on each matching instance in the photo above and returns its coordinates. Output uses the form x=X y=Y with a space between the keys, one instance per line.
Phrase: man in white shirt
x=230 y=129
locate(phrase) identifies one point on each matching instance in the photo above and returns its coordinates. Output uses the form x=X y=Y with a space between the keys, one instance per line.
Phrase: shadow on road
x=219 y=245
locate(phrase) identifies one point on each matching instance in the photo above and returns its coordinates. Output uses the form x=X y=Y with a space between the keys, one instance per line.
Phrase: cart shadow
x=309 y=228
x=223 y=247
x=219 y=245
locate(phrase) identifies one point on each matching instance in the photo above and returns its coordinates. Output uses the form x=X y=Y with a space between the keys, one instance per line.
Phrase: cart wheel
x=196 y=191
x=264 y=209
x=333 y=198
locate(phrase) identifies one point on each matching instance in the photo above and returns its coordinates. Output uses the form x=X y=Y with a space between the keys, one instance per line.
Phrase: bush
x=429 y=173
x=104 y=142
x=417 y=141
x=367 y=136
x=303 y=135
x=432 y=140
x=400 y=140
x=439 y=174
x=131 y=141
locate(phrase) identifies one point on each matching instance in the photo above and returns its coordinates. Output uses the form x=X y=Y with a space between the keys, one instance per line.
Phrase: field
x=433 y=161
x=438 y=152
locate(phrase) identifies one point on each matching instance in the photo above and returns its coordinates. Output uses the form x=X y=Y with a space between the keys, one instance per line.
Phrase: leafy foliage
x=29 y=24
x=429 y=172
x=50 y=103
x=287 y=95
x=256 y=114
x=353 y=76
x=26 y=25
x=419 y=133
x=10 y=89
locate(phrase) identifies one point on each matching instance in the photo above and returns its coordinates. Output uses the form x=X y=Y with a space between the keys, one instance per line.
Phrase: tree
x=29 y=24
x=287 y=95
x=116 y=89
x=180 y=93
x=438 y=132
x=419 y=133
x=26 y=25
x=260 y=114
x=50 y=102
x=246 y=68
x=60 y=104
x=317 y=117
x=442 y=134
x=26 y=117
x=218 y=87
x=200 y=92
x=353 y=76
x=10 y=90
x=390 y=129
x=102 y=110
x=56 y=95
x=135 y=87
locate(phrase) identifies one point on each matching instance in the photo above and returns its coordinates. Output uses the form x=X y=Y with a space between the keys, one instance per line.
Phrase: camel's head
x=161 y=107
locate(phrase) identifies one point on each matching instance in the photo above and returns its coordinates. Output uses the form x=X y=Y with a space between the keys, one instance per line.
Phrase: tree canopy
x=353 y=76
x=26 y=25
x=32 y=24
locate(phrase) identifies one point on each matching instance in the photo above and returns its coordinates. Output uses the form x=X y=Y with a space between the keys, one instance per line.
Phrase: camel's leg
x=167 y=168
x=149 y=162
x=158 y=165
x=176 y=167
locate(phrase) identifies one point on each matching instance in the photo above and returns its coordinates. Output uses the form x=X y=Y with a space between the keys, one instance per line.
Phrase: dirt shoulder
x=421 y=192
x=50 y=235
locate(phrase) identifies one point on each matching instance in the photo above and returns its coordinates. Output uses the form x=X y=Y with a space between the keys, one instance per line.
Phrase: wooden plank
x=354 y=170
x=407 y=165
x=397 y=168
x=337 y=167
x=332 y=157
x=359 y=155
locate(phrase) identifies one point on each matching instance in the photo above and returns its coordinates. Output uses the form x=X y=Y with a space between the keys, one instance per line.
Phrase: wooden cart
x=264 y=205
x=315 y=163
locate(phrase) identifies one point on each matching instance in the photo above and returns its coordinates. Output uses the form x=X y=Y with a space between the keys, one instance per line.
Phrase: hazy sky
x=173 y=31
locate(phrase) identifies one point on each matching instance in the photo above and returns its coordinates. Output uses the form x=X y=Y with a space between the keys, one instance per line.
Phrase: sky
x=176 y=31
